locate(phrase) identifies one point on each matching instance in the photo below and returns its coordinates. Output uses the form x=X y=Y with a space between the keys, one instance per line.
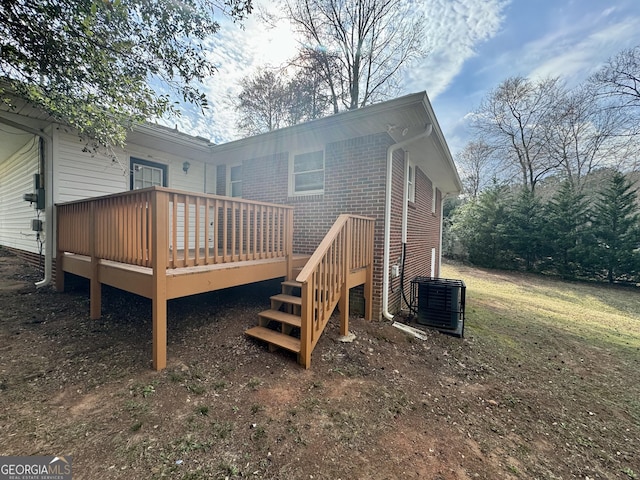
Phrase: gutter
x=387 y=217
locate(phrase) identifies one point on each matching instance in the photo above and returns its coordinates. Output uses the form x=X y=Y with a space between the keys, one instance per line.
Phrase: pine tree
x=481 y=225
x=524 y=228
x=567 y=218
x=615 y=229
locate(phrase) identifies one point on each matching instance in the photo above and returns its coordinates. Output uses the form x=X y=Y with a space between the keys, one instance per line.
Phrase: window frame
x=230 y=182
x=411 y=182
x=293 y=174
x=163 y=167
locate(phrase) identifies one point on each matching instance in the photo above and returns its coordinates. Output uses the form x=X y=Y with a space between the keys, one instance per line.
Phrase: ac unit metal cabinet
x=440 y=303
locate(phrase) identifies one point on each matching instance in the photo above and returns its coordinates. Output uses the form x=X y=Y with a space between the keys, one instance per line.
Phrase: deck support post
x=343 y=303
x=160 y=254
x=368 y=286
x=59 y=258
x=95 y=289
x=304 y=357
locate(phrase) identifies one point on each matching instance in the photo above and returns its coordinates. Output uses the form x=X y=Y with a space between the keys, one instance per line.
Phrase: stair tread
x=275 y=338
x=283 y=297
x=283 y=317
x=291 y=283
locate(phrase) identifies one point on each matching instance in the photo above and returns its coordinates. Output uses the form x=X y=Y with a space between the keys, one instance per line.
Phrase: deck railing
x=196 y=229
x=346 y=251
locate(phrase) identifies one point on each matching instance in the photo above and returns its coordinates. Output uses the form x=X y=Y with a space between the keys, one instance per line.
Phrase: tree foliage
x=565 y=227
x=90 y=63
x=269 y=100
x=570 y=235
x=619 y=78
x=615 y=229
x=512 y=119
x=540 y=128
x=481 y=227
x=477 y=166
x=359 y=47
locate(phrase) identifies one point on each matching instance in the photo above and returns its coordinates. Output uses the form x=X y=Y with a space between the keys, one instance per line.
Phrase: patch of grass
x=136 y=408
x=255 y=408
x=259 y=433
x=219 y=385
x=148 y=390
x=176 y=377
x=188 y=444
x=227 y=469
x=202 y=410
x=136 y=427
x=254 y=383
x=196 y=389
x=221 y=430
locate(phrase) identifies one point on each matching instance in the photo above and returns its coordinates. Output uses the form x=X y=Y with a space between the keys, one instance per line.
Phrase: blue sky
x=474 y=45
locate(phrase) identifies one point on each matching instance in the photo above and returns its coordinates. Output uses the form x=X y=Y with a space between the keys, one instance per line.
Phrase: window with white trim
x=434 y=200
x=306 y=173
x=411 y=182
x=145 y=174
x=234 y=181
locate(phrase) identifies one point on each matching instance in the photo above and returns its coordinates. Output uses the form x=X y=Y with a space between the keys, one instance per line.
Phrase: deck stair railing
x=344 y=259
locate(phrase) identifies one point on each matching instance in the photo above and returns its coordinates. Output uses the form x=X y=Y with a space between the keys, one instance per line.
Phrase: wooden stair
x=279 y=325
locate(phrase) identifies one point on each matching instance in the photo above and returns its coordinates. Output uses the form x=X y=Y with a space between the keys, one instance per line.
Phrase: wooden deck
x=164 y=244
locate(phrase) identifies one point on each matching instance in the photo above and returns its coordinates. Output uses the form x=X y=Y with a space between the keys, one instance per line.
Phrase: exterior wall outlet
x=395 y=271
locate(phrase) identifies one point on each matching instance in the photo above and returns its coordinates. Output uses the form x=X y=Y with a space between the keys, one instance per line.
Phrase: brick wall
x=355 y=172
x=423 y=232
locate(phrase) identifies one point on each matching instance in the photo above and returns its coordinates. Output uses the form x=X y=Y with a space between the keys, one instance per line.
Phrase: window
x=306 y=173
x=145 y=174
x=234 y=181
x=434 y=200
x=411 y=183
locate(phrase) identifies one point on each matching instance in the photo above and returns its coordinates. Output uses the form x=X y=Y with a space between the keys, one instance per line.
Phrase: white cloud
x=575 y=54
x=236 y=52
x=454 y=31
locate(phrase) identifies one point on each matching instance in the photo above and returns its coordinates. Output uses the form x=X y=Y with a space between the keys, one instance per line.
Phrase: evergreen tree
x=567 y=217
x=615 y=230
x=524 y=222
x=481 y=227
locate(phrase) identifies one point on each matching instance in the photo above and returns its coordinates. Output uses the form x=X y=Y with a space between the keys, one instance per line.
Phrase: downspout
x=49 y=230
x=387 y=217
x=48 y=206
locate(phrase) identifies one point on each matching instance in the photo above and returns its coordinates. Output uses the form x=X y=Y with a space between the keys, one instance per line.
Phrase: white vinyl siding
x=16 y=179
x=306 y=173
x=82 y=175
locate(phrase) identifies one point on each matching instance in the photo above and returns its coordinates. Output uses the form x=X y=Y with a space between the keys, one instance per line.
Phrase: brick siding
x=355 y=172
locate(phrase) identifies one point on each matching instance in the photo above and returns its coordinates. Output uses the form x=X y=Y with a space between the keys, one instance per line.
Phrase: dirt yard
x=529 y=393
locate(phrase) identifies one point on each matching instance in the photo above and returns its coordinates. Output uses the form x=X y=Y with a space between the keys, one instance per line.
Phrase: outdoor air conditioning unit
x=440 y=303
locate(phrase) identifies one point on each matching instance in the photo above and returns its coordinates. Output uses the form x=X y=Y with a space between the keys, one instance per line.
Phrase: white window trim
x=434 y=200
x=292 y=156
x=411 y=183
x=229 y=191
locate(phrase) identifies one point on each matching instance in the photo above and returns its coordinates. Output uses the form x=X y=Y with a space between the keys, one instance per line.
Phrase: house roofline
x=330 y=121
x=442 y=142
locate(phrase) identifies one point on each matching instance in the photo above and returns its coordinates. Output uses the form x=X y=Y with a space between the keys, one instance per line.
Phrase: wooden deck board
x=275 y=338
